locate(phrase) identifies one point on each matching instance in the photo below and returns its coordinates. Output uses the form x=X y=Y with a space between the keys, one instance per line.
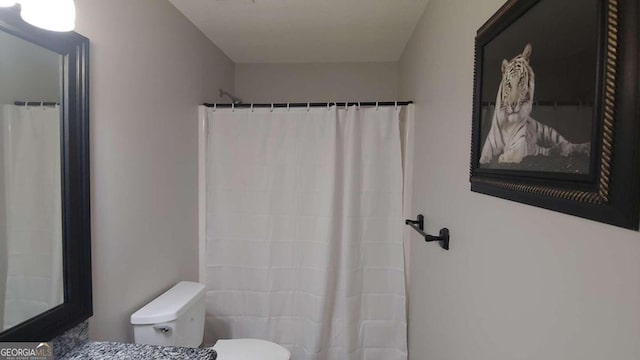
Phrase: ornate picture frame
x=555 y=108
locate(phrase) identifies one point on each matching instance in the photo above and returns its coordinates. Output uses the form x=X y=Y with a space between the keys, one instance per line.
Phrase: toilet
x=176 y=318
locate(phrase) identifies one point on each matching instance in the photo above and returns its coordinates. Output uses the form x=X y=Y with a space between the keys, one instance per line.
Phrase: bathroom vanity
x=75 y=345
x=98 y=350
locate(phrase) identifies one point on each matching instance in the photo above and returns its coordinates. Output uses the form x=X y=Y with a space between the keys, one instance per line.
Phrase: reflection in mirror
x=31 y=277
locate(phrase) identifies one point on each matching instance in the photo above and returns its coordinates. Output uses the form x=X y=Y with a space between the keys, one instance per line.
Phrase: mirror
x=45 y=258
x=30 y=181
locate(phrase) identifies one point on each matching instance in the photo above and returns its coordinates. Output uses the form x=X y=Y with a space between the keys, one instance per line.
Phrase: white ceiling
x=306 y=31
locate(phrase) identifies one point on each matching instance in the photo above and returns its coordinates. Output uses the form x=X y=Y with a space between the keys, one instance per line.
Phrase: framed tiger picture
x=555 y=108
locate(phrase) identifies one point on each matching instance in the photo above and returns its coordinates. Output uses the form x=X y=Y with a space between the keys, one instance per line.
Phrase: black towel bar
x=418 y=225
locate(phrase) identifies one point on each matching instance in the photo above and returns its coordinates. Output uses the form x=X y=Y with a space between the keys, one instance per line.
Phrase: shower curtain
x=32 y=211
x=304 y=229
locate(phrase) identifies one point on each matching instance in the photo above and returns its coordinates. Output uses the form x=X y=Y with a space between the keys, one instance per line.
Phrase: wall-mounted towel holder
x=418 y=225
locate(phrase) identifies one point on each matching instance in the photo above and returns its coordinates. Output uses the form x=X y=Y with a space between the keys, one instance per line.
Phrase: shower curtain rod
x=313 y=104
x=35 y=103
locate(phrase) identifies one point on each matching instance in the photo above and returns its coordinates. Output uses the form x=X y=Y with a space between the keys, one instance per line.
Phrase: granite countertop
x=98 y=350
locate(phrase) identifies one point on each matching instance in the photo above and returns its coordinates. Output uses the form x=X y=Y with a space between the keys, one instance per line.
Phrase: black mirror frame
x=76 y=225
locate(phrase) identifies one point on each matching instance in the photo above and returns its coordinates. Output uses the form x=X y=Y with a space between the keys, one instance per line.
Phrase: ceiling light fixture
x=54 y=15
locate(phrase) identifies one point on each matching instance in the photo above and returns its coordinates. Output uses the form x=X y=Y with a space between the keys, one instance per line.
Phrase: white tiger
x=514 y=134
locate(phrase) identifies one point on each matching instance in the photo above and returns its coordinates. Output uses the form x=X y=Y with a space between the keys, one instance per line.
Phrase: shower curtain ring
x=396 y=105
x=271 y=107
x=288 y=107
x=377 y=106
x=358 y=105
x=215 y=106
x=308 y=107
x=233 y=107
x=251 y=107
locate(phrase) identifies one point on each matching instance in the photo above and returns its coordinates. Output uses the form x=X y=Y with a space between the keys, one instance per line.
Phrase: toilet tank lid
x=170 y=305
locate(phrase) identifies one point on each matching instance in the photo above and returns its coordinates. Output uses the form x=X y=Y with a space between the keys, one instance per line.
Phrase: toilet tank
x=175 y=318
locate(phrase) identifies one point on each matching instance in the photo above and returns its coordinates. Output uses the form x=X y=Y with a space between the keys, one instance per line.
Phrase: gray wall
x=316 y=82
x=520 y=282
x=150 y=68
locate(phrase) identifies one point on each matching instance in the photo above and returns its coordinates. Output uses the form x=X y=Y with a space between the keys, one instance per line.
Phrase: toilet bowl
x=176 y=318
x=250 y=349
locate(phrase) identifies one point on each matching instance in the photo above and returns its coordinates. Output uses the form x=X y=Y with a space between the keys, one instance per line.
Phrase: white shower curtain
x=32 y=200
x=304 y=231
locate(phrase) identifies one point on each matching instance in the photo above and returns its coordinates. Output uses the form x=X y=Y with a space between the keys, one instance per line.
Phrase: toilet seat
x=250 y=349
